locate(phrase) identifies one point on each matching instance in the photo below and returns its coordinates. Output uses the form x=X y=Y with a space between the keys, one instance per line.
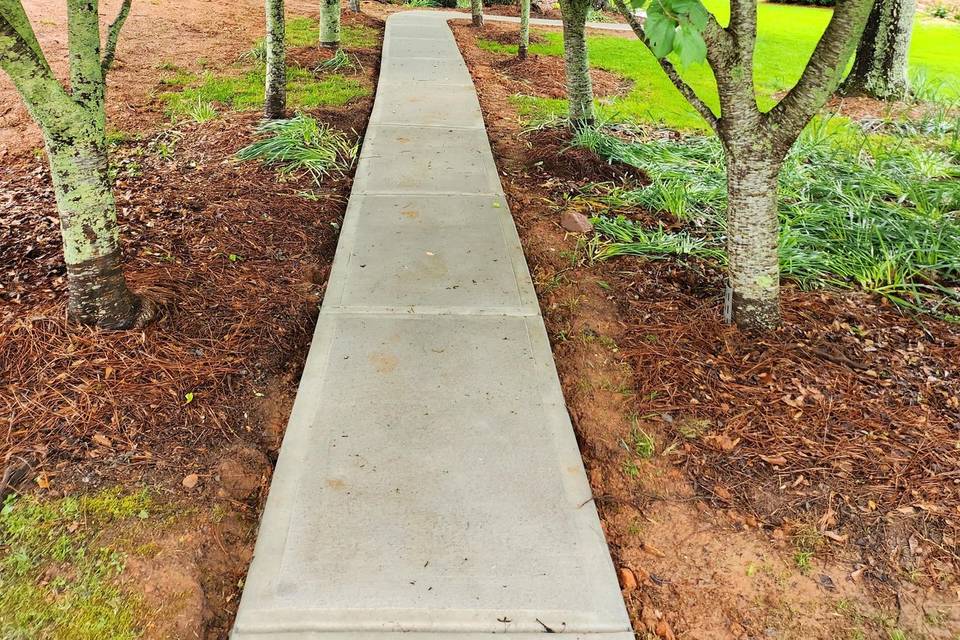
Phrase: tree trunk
x=330 y=24
x=355 y=6
x=576 y=62
x=276 y=83
x=752 y=241
x=476 y=12
x=88 y=223
x=524 y=29
x=880 y=66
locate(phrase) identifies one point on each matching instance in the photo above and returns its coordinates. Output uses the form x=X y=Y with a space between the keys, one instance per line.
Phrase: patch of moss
x=56 y=579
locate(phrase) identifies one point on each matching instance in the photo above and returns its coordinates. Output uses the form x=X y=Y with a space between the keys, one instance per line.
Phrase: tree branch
x=45 y=97
x=83 y=41
x=823 y=71
x=113 y=34
x=685 y=89
x=13 y=13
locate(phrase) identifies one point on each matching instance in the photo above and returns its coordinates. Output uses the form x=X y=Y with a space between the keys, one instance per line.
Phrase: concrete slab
x=455 y=106
x=421 y=253
x=425 y=71
x=437 y=159
x=429 y=481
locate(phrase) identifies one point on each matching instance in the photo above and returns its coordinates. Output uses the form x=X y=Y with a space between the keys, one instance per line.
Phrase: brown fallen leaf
x=836 y=537
x=628 y=581
x=102 y=440
x=777 y=460
x=721 y=442
x=190 y=481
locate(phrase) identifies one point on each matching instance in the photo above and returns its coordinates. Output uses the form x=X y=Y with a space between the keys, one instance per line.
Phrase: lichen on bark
x=330 y=24
x=476 y=12
x=576 y=62
x=275 y=102
x=880 y=65
x=524 y=44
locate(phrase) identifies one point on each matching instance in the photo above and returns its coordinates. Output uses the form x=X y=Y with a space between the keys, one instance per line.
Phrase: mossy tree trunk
x=476 y=12
x=330 y=24
x=74 y=130
x=524 y=29
x=756 y=143
x=275 y=102
x=880 y=66
x=576 y=62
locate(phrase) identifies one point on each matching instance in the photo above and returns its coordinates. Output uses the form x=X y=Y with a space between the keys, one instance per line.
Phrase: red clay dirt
x=804 y=482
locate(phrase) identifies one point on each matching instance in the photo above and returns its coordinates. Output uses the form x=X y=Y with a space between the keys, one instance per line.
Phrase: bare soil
x=194 y=406
x=804 y=483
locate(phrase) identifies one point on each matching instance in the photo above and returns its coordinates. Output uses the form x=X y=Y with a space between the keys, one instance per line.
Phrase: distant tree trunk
x=74 y=126
x=276 y=74
x=524 y=29
x=880 y=66
x=476 y=12
x=576 y=62
x=355 y=6
x=330 y=24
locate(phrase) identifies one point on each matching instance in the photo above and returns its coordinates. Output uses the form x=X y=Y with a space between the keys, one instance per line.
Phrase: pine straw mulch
x=841 y=429
x=236 y=260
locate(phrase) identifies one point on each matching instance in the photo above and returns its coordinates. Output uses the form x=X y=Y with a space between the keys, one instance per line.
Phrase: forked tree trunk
x=880 y=66
x=753 y=294
x=74 y=127
x=524 y=29
x=476 y=12
x=275 y=102
x=576 y=62
x=330 y=24
x=91 y=239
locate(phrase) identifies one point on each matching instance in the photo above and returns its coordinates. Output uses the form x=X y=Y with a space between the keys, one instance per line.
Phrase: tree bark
x=880 y=66
x=330 y=24
x=476 y=12
x=753 y=295
x=355 y=6
x=576 y=62
x=524 y=29
x=91 y=238
x=275 y=102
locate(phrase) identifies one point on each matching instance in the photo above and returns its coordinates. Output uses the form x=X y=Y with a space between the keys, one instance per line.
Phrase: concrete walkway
x=429 y=481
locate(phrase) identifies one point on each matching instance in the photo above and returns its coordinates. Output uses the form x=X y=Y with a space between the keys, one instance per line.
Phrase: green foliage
x=427 y=4
x=302 y=145
x=876 y=212
x=56 y=580
x=787 y=34
x=675 y=26
x=245 y=91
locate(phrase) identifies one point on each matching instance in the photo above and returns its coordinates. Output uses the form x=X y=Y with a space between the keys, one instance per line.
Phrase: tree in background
x=330 y=24
x=275 y=102
x=576 y=62
x=524 y=29
x=74 y=131
x=880 y=66
x=755 y=143
x=476 y=12
x=355 y=6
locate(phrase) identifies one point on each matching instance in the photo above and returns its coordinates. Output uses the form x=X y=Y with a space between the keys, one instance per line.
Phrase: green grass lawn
x=787 y=34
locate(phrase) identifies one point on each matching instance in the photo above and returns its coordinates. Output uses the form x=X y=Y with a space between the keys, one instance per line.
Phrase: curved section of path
x=429 y=481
